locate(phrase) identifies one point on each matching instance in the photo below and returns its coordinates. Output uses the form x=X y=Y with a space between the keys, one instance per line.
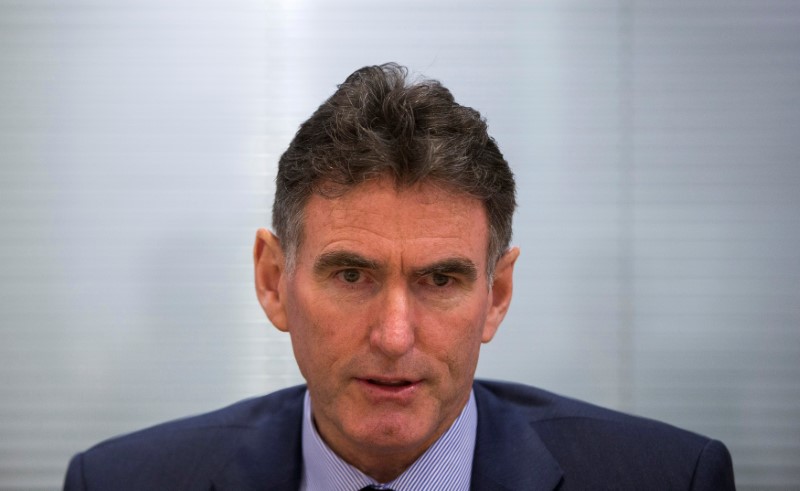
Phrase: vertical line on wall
x=625 y=206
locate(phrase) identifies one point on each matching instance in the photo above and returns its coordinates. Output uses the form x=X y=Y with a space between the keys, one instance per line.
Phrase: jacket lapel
x=509 y=455
x=270 y=456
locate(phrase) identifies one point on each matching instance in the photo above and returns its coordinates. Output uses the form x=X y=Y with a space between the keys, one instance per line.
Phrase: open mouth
x=389 y=383
x=380 y=390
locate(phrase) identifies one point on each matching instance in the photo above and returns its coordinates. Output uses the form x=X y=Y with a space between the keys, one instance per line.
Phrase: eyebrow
x=457 y=266
x=343 y=259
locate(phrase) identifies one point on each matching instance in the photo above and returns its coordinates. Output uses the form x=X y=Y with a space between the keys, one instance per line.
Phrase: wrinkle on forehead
x=425 y=192
x=379 y=212
x=411 y=220
x=428 y=194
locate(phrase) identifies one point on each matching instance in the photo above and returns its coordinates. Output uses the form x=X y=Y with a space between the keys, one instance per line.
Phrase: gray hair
x=376 y=124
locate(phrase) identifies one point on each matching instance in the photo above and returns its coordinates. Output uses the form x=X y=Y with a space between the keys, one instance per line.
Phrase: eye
x=438 y=279
x=350 y=275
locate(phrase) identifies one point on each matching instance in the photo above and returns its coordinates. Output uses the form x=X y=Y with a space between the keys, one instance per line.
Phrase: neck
x=380 y=463
x=386 y=449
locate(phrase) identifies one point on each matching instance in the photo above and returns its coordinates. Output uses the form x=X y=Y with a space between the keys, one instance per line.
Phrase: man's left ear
x=500 y=294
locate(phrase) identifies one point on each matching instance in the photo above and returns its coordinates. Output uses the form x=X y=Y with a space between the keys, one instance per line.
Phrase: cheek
x=319 y=331
x=306 y=335
x=456 y=339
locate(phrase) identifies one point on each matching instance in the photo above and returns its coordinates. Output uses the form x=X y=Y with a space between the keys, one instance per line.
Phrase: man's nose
x=393 y=332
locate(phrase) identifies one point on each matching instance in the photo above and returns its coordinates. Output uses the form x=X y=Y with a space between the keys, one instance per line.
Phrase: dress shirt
x=446 y=465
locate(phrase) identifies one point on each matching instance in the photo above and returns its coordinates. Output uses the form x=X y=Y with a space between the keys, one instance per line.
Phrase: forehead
x=375 y=213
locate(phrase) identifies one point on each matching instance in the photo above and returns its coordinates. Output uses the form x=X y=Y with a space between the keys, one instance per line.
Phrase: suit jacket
x=527 y=439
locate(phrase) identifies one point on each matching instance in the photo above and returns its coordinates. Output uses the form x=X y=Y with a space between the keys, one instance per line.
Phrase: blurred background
x=656 y=146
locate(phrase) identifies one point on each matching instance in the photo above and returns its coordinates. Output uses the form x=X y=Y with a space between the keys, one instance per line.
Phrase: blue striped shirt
x=446 y=465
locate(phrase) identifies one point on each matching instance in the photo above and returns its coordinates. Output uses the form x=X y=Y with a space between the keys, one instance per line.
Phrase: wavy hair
x=378 y=124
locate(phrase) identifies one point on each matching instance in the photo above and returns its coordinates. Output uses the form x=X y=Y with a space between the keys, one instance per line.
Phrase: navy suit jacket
x=528 y=439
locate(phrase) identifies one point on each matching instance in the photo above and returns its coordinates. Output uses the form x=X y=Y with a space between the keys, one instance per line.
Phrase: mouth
x=389 y=382
x=396 y=390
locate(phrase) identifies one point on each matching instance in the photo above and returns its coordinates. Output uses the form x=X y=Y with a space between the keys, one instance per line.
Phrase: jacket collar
x=509 y=455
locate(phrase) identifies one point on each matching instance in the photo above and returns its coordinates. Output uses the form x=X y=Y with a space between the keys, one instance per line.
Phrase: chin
x=393 y=434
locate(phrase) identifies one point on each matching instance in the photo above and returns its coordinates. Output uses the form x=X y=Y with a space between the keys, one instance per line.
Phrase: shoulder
x=187 y=451
x=545 y=409
x=601 y=445
x=540 y=405
x=216 y=426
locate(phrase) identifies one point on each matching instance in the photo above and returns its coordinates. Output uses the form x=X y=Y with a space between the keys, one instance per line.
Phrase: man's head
x=377 y=124
x=395 y=207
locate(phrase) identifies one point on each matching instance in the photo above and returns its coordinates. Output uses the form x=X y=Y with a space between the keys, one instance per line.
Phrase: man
x=389 y=267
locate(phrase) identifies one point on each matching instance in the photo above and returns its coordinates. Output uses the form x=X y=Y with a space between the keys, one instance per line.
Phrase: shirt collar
x=446 y=464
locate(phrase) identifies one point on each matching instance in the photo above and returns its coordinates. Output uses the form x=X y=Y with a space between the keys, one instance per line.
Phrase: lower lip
x=388 y=393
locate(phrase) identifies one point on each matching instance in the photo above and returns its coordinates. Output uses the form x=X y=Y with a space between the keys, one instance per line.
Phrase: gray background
x=656 y=147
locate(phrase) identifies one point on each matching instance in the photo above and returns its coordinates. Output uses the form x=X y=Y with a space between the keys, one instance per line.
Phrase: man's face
x=387 y=307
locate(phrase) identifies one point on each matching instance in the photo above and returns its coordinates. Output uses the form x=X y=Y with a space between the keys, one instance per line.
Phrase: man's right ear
x=270 y=269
